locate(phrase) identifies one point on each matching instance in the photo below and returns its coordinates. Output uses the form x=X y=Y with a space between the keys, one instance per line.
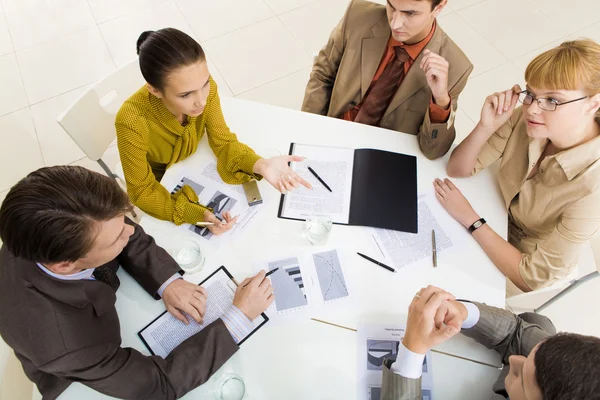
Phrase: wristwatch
x=476 y=225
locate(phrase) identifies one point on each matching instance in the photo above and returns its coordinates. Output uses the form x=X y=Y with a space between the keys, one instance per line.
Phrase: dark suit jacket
x=497 y=329
x=344 y=70
x=68 y=331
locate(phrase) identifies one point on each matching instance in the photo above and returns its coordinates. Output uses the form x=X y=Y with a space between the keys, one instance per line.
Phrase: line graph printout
x=330 y=275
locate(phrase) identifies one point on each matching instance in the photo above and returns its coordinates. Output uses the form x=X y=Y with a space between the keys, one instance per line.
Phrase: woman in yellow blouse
x=163 y=122
x=549 y=171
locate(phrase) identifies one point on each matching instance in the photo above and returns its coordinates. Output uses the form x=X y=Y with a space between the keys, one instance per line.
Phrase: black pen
x=312 y=171
x=271 y=272
x=377 y=262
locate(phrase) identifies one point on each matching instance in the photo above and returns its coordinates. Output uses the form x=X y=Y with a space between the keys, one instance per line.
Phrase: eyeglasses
x=544 y=103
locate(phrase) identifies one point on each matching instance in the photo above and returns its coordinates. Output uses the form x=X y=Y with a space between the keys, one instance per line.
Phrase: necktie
x=381 y=93
x=108 y=276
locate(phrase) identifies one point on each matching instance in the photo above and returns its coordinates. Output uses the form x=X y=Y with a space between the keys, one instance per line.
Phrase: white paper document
x=221 y=197
x=303 y=283
x=401 y=248
x=377 y=342
x=334 y=166
x=166 y=332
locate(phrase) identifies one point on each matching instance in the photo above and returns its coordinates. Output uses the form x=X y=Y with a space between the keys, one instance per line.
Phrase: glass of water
x=317 y=228
x=230 y=387
x=189 y=256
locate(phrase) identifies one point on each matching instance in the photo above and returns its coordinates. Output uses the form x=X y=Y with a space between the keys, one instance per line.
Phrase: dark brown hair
x=567 y=366
x=161 y=52
x=50 y=215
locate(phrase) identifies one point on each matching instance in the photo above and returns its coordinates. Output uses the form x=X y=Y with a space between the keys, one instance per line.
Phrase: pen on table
x=312 y=171
x=433 y=248
x=271 y=272
x=376 y=262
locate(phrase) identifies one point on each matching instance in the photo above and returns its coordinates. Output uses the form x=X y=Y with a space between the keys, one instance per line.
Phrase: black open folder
x=369 y=187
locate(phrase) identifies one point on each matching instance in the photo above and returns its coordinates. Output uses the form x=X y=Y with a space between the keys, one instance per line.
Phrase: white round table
x=306 y=359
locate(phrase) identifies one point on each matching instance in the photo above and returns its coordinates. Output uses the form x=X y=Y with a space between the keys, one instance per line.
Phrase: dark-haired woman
x=163 y=123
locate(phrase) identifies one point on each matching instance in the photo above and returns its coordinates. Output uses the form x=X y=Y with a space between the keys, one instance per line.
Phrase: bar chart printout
x=288 y=285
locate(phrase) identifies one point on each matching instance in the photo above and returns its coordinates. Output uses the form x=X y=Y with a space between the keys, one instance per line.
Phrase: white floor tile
x=514 y=27
x=210 y=18
x=578 y=13
x=64 y=64
x=57 y=146
x=281 y=6
x=221 y=84
x=105 y=10
x=478 y=88
x=460 y=4
x=258 y=54
x=482 y=54
x=33 y=22
x=20 y=152
x=591 y=32
x=324 y=15
x=110 y=157
x=6 y=45
x=121 y=34
x=285 y=92
x=12 y=95
x=463 y=125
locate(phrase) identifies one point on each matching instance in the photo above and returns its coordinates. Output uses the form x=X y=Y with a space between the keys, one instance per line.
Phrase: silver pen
x=433 y=248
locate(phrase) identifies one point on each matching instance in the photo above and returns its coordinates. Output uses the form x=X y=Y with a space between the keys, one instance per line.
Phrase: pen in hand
x=271 y=272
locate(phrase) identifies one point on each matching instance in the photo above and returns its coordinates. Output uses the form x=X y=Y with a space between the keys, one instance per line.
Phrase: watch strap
x=476 y=225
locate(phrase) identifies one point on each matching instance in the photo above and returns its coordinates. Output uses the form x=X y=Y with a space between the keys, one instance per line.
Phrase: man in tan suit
x=392 y=66
x=538 y=363
x=65 y=235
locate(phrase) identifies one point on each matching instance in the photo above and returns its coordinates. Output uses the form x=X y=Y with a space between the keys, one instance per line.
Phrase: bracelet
x=476 y=225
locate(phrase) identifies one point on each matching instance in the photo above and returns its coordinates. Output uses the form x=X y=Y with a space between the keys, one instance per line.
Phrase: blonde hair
x=574 y=65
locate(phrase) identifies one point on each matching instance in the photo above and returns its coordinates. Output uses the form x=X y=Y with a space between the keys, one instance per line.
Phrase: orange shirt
x=437 y=114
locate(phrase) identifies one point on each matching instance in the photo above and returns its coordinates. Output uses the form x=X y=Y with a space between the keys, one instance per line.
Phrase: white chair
x=538 y=300
x=90 y=120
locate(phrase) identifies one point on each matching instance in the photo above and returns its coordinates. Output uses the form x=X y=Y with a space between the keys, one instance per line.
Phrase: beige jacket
x=555 y=213
x=344 y=70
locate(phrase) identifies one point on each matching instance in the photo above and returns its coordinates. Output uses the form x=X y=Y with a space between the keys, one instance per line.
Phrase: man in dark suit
x=65 y=235
x=538 y=363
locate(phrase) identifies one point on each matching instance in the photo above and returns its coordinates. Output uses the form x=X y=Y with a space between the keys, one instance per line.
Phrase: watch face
x=477 y=224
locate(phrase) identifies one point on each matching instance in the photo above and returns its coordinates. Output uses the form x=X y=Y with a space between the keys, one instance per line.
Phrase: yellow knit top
x=151 y=139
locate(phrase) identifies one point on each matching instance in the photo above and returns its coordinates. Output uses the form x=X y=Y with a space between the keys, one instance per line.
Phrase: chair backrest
x=90 y=120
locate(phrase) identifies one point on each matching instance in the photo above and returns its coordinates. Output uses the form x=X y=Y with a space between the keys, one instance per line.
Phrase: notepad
x=369 y=187
x=166 y=332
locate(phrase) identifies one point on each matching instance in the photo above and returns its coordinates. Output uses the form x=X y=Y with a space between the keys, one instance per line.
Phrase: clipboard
x=231 y=283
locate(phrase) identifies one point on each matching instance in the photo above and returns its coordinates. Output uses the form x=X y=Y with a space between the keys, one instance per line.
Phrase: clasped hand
x=433 y=317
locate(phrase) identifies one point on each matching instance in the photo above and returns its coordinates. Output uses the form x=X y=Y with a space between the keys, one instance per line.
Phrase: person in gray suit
x=538 y=363
x=65 y=235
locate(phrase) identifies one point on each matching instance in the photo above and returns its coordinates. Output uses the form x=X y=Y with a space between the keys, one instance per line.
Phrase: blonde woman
x=549 y=152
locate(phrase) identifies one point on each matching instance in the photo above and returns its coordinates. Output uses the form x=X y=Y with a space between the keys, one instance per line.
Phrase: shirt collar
x=414 y=49
x=578 y=158
x=85 y=274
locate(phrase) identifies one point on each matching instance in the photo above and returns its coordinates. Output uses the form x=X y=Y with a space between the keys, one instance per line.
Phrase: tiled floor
x=261 y=50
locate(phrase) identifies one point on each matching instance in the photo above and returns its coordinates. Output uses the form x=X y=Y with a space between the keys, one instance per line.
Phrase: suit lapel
x=415 y=78
x=372 y=50
x=77 y=293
